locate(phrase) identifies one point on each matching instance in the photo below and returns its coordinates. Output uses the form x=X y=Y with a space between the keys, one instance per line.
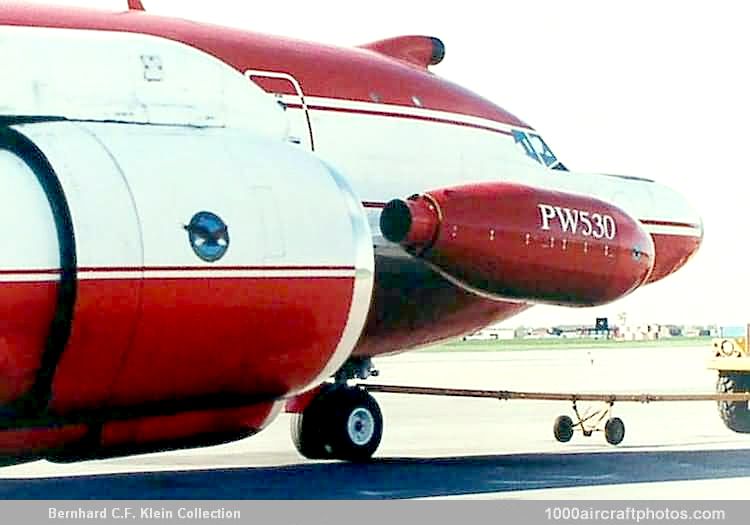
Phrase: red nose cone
x=522 y=243
x=675 y=245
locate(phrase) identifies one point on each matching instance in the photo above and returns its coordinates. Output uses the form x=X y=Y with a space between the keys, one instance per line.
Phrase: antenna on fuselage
x=135 y=5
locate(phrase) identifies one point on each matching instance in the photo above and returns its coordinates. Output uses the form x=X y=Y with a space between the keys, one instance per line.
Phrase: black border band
x=36 y=401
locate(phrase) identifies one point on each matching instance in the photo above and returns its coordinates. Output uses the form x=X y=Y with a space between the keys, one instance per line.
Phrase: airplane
x=212 y=225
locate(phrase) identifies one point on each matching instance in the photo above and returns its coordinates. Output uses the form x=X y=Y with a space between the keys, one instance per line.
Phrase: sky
x=651 y=89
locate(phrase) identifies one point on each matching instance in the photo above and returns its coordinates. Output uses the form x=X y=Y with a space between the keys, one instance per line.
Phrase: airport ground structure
x=602 y=329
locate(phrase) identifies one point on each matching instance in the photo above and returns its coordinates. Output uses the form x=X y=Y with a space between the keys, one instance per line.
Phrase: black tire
x=563 y=429
x=734 y=414
x=614 y=431
x=307 y=429
x=341 y=423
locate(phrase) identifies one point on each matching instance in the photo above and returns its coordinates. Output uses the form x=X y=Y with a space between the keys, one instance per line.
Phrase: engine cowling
x=515 y=242
x=172 y=269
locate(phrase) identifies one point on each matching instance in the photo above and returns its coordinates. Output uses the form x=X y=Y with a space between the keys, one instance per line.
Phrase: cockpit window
x=523 y=140
x=543 y=150
x=538 y=150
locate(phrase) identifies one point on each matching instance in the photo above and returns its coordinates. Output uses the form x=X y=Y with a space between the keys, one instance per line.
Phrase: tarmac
x=436 y=447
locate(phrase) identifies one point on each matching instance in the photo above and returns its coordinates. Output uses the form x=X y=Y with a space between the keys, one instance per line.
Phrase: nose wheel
x=342 y=422
x=593 y=421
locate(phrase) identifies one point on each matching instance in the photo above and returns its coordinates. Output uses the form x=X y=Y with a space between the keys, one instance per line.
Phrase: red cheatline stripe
x=401 y=115
x=110 y=269
x=24 y=272
x=671 y=223
x=214 y=268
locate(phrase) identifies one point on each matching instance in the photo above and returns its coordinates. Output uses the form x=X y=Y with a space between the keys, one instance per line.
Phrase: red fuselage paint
x=323 y=71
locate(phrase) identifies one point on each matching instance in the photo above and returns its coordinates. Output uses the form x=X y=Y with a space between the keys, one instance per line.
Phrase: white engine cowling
x=192 y=263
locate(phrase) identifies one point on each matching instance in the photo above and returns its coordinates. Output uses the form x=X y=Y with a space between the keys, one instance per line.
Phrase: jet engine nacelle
x=156 y=270
x=514 y=242
x=173 y=270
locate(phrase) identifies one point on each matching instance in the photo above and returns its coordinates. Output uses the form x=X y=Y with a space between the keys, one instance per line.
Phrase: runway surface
x=460 y=448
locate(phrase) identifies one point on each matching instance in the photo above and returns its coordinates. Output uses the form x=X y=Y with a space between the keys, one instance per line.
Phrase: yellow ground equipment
x=731 y=359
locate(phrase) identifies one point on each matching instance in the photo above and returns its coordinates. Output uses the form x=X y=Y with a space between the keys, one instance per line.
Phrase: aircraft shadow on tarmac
x=394 y=478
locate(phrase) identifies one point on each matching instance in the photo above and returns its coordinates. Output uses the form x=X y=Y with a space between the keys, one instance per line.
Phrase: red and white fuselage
x=146 y=122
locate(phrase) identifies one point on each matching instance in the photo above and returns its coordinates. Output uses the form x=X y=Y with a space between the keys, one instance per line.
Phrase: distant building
x=625 y=332
x=642 y=332
x=658 y=331
x=601 y=330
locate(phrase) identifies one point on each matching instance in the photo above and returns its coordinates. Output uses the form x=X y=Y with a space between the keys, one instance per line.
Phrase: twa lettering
x=578 y=222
